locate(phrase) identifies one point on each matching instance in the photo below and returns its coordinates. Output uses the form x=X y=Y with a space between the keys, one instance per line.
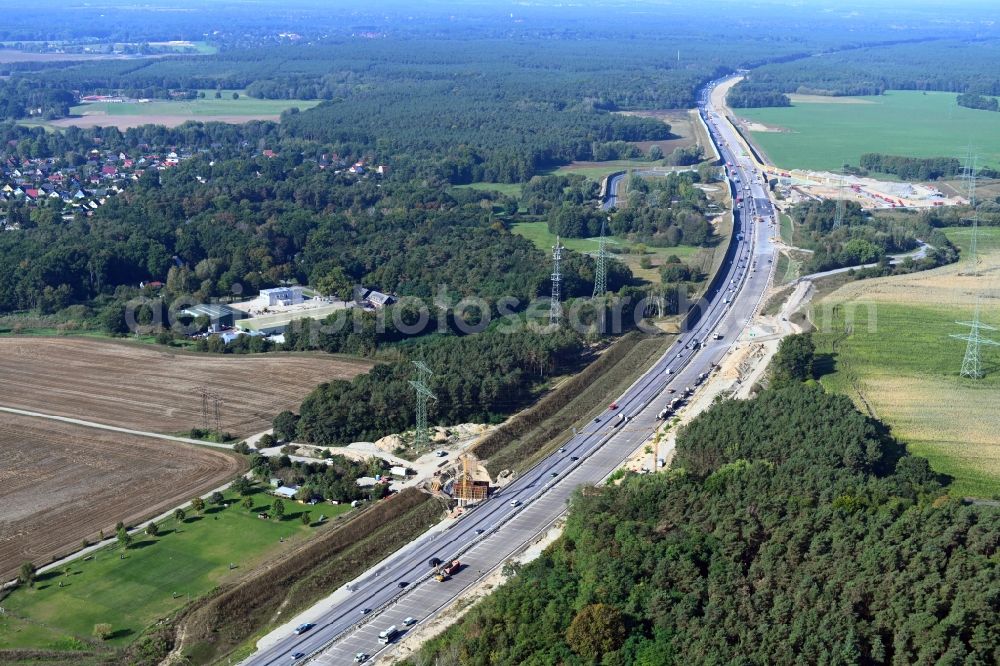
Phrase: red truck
x=448 y=570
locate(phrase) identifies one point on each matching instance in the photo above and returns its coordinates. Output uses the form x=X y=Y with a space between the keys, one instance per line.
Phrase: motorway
x=488 y=534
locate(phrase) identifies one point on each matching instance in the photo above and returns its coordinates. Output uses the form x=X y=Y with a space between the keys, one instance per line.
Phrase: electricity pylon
x=969 y=176
x=555 y=307
x=601 y=270
x=838 y=217
x=972 y=366
x=420 y=436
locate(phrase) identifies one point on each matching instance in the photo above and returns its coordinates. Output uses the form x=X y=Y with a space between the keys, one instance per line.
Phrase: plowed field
x=61 y=483
x=156 y=390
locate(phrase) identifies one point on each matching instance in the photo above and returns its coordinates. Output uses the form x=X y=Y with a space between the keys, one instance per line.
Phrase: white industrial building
x=280 y=296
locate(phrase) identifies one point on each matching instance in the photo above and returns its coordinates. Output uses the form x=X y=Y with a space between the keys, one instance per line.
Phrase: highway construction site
x=796 y=185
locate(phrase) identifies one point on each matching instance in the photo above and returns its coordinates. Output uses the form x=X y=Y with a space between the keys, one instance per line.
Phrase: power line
x=970 y=177
x=555 y=307
x=420 y=436
x=601 y=270
x=838 y=217
x=972 y=366
x=204 y=409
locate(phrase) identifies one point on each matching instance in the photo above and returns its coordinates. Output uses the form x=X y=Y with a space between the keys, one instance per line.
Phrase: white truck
x=386 y=637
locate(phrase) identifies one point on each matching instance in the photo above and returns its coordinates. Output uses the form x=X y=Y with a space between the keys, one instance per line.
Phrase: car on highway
x=553 y=474
x=613 y=405
x=365 y=611
x=597 y=419
x=515 y=502
x=401 y=584
x=574 y=458
x=297 y=655
x=360 y=657
x=303 y=628
x=562 y=450
x=480 y=530
x=409 y=622
x=435 y=562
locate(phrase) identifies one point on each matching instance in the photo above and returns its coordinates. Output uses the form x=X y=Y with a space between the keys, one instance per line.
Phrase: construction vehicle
x=447 y=571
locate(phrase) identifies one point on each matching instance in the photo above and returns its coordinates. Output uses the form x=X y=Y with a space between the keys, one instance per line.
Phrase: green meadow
x=826 y=135
x=157 y=576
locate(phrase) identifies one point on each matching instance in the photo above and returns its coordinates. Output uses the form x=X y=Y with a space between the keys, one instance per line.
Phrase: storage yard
x=62 y=483
x=154 y=390
x=868 y=193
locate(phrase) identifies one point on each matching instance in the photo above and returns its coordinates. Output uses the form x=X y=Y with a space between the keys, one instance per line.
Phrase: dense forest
x=945 y=65
x=790 y=529
x=207 y=227
x=477 y=378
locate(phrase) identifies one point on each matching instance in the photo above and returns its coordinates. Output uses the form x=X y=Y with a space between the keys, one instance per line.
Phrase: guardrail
x=604 y=183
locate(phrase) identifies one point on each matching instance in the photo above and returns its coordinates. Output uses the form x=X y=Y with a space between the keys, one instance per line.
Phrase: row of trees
x=974 y=101
x=912 y=168
x=748 y=96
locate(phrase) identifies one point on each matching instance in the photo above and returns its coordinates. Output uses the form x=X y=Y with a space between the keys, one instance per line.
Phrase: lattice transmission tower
x=211 y=408
x=838 y=218
x=420 y=435
x=969 y=175
x=972 y=365
x=601 y=270
x=555 y=307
